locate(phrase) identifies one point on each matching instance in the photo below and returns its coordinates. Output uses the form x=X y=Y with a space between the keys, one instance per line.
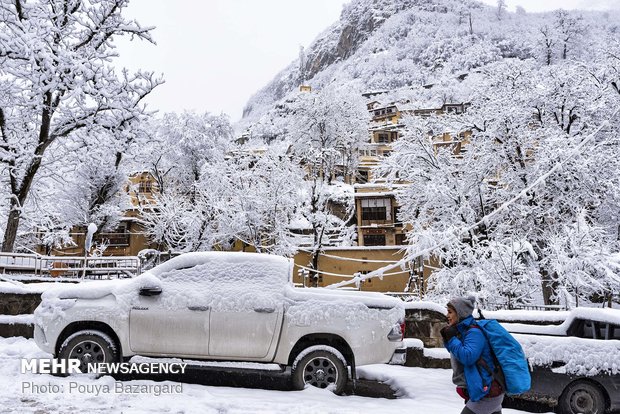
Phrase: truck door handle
x=264 y=310
x=198 y=308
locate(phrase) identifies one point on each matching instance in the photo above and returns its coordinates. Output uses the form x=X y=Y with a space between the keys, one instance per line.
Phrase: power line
x=343 y=275
x=352 y=259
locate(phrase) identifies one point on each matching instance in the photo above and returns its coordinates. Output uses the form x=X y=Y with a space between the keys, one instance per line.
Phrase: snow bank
x=19 y=319
x=413 y=343
x=437 y=353
x=23 y=288
x=428 y=391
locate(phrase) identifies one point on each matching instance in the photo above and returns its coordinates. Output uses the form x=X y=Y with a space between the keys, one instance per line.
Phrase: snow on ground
x=426 y=391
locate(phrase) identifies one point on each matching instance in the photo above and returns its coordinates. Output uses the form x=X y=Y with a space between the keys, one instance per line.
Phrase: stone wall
x=8 y=330
x=416 y=358
x=19 y=303
x=425 y=324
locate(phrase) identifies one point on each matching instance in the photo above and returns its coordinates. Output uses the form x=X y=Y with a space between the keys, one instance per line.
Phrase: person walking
x=471 y=359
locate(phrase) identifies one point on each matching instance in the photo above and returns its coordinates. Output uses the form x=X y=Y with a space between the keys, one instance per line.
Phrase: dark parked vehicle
x=575 y=365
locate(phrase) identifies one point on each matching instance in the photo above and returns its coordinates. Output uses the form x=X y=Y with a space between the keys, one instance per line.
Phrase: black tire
x=89 y=346
x=582 y=397
x=321 y=368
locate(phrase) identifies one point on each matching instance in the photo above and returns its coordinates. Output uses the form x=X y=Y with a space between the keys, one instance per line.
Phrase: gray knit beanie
x=464 y=306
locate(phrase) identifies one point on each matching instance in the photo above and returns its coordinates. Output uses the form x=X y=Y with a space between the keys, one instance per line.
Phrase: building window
x=374 y=239
x=376 y=209
x=145 y=187
x=362 y=176
x=120 y=236
x=400 y=239
x=383 y=138
x=368 y=152
x=397 y=222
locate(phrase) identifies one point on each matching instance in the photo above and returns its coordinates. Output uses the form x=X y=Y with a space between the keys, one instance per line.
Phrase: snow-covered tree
x=570 y=29
x=582 y=264
x=500 y=10
x=260 y=194
x=524 y=120
x=186 y=147
x=57 y=81
x=325 y=130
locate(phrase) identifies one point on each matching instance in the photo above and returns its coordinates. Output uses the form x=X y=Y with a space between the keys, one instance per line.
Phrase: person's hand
x=448 y=332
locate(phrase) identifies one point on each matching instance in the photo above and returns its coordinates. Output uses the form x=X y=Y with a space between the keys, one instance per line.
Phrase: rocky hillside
x=391 y=44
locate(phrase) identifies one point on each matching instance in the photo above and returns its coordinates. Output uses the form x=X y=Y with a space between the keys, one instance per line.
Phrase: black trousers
x=466 y=410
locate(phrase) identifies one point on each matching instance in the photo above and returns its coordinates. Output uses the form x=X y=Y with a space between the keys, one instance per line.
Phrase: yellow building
x=128 y=238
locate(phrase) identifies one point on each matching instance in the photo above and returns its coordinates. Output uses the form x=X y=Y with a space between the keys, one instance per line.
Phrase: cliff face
x=359 y=22
x=399 y=44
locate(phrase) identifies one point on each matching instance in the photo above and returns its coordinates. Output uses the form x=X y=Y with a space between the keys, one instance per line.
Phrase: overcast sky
x=215 y=54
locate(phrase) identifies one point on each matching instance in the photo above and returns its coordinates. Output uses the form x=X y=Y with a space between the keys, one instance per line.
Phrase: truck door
x=248 y=332
x=172 y=322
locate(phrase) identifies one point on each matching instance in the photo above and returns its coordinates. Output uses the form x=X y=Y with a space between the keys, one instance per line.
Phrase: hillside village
x=414 y=147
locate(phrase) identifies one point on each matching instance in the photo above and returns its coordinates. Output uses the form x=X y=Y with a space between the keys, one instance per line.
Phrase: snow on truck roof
x=258 y=265
x=269 y=271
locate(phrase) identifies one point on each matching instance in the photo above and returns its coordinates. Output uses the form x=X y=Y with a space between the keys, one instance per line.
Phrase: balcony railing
x=70 y=266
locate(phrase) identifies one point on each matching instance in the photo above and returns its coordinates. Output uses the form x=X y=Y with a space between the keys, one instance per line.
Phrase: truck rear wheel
x=321 y=367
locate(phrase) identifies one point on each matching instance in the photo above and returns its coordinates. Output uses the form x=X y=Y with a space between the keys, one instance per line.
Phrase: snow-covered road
x=425 y=391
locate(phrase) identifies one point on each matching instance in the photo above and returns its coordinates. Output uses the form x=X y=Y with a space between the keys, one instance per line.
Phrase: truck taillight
x=402 y=330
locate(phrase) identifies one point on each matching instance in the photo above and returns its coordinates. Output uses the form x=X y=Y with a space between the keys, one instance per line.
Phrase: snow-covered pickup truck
x=223 y=306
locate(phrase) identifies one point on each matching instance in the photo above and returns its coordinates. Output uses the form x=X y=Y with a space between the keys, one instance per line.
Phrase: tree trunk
x=314 y=276
x=12 y=223
x=549 y=289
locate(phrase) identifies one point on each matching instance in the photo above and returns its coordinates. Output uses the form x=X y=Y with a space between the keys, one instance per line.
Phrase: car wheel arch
x=333 y=340
x=84 y=325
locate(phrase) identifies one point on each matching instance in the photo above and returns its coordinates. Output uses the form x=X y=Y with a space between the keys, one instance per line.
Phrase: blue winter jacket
x=467 y=350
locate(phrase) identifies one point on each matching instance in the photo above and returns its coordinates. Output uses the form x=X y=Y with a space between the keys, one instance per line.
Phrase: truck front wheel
x=322 y=367
x=89 y=347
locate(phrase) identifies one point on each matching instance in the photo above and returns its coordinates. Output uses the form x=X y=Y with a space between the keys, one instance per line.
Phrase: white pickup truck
x=224 y=306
